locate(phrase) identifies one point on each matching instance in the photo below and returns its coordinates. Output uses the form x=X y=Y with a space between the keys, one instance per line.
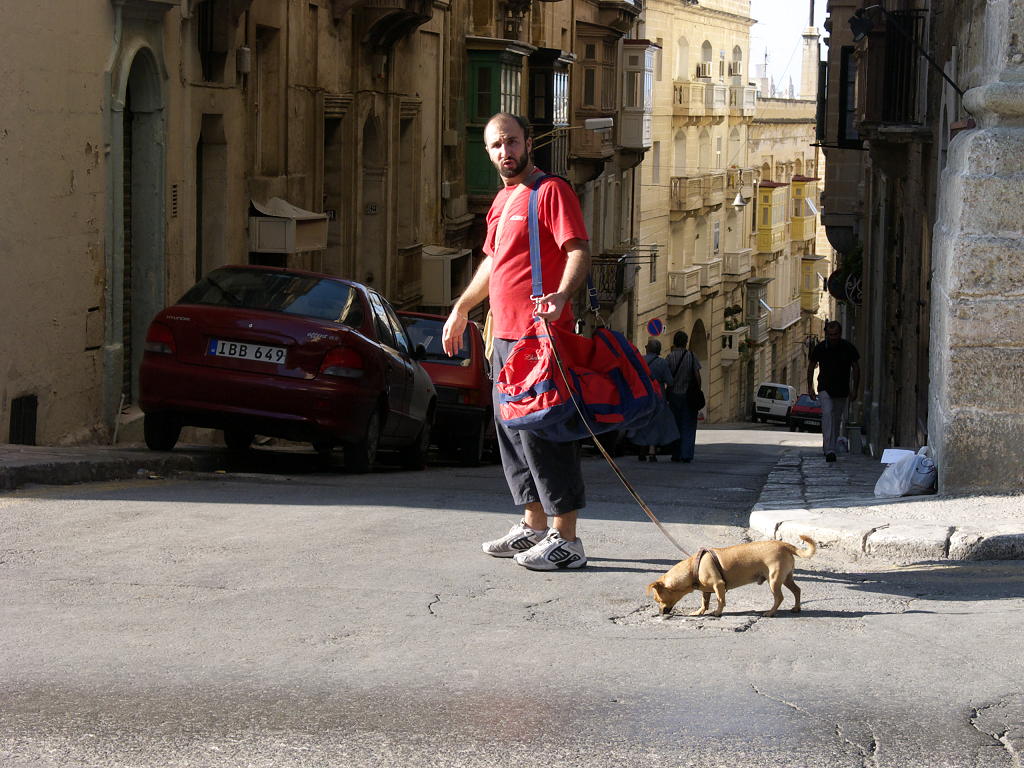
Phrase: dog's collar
x=714 y=558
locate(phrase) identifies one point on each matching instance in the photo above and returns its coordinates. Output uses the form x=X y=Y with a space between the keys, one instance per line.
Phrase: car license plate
x=246 y=351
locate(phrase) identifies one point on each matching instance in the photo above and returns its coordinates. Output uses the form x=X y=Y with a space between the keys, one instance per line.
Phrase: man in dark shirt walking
x=837 y=358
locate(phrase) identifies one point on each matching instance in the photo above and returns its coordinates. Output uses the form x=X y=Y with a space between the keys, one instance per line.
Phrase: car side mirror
x=420 y=353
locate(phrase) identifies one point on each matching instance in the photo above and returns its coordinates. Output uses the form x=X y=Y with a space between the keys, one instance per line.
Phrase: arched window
x=682 y=59
x=679 y=154
x=706 y=52
x=705 y=150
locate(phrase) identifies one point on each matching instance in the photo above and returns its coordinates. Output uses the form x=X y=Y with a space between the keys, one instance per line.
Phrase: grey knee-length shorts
x=537 y=470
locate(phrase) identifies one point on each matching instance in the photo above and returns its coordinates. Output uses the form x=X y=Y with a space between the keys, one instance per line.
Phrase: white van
x=773 y=401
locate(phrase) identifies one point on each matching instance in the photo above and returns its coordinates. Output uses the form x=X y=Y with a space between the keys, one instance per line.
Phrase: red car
x=465 y=415
x=290 y=354
x=805 y=414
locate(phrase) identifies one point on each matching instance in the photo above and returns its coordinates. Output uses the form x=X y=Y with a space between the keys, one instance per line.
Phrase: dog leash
x=615 y=467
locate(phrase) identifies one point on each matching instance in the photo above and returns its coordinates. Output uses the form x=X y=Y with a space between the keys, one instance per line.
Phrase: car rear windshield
x=427 y=331
x=302 y=295
x=807 y=400
x=773 y=393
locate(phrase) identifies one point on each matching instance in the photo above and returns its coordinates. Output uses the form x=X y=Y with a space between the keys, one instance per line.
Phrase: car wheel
x=792 y=427
x=237 y=440
x=471 y=447
x=415 y=455
x=161 y=431
x=359 y=457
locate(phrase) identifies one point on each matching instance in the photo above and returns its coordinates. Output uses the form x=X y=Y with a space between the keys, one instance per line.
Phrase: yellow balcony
x=810 y=300
x=771 y=238
x=804 y=228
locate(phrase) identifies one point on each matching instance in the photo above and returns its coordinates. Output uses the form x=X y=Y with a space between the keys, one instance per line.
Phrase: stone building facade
x=926 y=217
x=144 y=142
x=726 y=231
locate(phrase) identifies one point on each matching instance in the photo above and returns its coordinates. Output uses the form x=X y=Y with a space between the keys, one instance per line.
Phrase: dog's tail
x=809 y=550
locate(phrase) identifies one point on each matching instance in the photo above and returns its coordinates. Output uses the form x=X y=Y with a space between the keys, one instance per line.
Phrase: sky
x=780 y=24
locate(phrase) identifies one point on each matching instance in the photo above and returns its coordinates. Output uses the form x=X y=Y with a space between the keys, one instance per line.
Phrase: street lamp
x=861 y=25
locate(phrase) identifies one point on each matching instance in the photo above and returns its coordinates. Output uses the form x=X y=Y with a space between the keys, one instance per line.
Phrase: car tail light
x=343 y=361
x=159 y=339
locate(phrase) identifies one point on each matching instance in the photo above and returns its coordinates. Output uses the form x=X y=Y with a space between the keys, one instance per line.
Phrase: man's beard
x=511 y=173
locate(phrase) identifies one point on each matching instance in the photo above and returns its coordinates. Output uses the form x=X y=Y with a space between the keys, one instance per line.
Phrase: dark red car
x=290 y=354
x=465 y=416
x=805 y=414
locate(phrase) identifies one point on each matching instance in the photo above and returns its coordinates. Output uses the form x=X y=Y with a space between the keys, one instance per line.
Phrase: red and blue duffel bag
x=606 y=375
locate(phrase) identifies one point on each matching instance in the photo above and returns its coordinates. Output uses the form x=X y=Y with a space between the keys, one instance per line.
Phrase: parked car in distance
x=464 y=422
x=805 y=414
x=290 y=354
x=773 y=401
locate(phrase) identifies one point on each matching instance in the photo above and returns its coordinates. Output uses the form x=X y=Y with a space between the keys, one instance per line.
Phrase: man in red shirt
x=544 y=477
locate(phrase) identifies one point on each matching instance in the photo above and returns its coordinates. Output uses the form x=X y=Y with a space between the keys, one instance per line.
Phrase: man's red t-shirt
x=561 y=220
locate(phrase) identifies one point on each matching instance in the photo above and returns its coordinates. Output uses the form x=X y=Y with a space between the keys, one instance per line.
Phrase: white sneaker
x=553 y=553
x=519 y=539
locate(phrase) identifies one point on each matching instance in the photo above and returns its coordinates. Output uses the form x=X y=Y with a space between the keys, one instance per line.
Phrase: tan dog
x=717 y=570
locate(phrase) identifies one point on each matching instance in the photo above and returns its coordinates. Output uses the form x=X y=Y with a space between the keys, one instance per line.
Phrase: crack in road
x=432 y=603
x=869 y=755
x=1004 y=737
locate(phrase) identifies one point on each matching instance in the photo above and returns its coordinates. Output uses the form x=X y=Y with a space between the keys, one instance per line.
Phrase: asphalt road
x=279 y=617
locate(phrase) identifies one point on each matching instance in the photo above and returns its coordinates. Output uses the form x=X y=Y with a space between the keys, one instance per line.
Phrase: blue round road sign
x=655 y=327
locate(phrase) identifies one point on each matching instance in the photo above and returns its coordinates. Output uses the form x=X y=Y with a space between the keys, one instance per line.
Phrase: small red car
x=286 y=353
x=465 y=415
x=805 y=414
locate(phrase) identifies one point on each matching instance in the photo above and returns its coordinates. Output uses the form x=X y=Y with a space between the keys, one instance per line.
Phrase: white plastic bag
x=910 y=476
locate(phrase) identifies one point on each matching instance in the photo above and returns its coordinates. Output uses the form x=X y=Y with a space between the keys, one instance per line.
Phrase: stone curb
x=878 y=533
x=92 y=469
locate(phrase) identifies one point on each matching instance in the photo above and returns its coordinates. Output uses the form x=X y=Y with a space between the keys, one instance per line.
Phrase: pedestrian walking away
x=544 y=477
x=685 y=369
x=661 y=429
x=836 y=359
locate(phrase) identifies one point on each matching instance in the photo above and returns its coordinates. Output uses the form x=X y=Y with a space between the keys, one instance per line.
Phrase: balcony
x=810 y=300
x=713 y=188
x=803 y=228
x=684 y=287
x=608 y=274
x=785 y=316
x=688 y=99
x=759 y=327
x=710 y=276
x=771 y=238
x=740 y=180
x=716 y=99
x=742 y=100
x=732 y=342
x=736 y=264
x=687 y=193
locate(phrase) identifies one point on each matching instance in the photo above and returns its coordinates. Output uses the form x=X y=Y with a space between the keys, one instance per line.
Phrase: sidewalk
x=835 y=505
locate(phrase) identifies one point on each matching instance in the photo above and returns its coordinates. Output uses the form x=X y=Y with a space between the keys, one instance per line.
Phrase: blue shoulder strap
x=537 y=288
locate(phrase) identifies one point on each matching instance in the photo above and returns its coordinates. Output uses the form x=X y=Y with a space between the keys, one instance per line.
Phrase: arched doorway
x=699 y=344
x=139 y=269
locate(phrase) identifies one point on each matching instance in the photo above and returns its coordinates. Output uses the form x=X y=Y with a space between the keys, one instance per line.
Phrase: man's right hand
x=454 y=328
